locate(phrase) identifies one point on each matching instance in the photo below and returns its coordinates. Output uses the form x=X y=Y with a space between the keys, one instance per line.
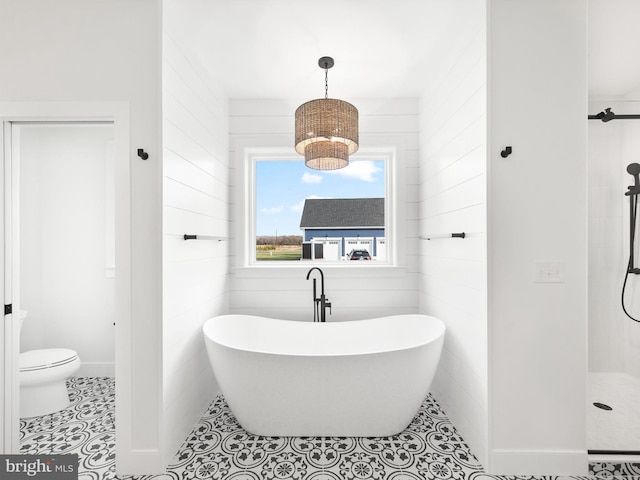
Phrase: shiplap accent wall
x=356 y=293
x=453 y=278
x=195 y=201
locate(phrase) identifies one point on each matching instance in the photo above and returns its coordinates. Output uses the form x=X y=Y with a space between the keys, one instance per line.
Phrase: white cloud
x=364 y=170
x=272 y=210
x=311 y=178
x=300 y=205
x=297 y=207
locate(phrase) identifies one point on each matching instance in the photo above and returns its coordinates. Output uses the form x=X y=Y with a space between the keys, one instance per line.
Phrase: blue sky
x=283 y=185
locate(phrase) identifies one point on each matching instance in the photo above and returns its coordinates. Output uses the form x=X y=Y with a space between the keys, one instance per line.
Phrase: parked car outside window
x=359 y=255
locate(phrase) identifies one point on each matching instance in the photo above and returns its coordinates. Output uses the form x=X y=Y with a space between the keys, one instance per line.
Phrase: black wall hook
x=506 y=152
x=142 y=154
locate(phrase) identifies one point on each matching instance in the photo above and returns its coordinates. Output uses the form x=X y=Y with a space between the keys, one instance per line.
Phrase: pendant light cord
x=326 y=63
x=326 y=81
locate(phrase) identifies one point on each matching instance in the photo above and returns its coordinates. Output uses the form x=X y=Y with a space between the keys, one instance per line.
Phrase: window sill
x=286 y=270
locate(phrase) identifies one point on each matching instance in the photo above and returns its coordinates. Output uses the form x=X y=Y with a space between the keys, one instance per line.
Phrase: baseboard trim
x=139 y=462
x=539 y=462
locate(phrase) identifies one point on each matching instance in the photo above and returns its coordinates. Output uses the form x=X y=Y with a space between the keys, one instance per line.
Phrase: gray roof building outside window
x=343 y=213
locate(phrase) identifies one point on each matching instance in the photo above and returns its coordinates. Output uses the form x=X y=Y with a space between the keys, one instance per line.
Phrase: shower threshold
x=627 y=461
x=613 y=452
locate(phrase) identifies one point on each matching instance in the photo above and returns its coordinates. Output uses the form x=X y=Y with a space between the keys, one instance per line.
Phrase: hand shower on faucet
x=320 y=304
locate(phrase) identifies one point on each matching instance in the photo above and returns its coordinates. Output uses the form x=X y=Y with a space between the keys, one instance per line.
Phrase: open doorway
x=66 y=241
x=115 y=260
x=63 y=282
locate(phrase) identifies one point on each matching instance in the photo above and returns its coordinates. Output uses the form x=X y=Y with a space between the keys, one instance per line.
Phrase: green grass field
x=278 y=255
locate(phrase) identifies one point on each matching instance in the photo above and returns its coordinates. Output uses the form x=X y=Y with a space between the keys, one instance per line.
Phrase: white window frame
x=251 y=150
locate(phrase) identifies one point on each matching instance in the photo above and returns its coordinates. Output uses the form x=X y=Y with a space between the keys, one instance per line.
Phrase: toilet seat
x=34 y=360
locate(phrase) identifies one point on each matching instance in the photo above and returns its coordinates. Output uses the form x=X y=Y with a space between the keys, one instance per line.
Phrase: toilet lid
x=46 y=358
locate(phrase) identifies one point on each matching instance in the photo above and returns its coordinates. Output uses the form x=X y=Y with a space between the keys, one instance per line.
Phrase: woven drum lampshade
x=326 y=130
x=326 y=133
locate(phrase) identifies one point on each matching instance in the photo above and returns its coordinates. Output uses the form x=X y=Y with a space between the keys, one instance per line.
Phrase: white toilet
x=43 y=374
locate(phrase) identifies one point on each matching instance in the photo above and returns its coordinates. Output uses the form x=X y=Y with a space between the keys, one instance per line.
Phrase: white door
x=8 y=279
x=331 y=249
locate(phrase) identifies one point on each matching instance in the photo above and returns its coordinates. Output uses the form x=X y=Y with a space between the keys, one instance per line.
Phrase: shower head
x=607 y=115
x=634 y=170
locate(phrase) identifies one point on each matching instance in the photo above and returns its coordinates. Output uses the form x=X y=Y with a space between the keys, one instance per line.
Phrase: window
x=296 y=215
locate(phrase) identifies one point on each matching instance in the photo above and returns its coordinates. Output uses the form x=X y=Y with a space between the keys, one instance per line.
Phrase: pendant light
x=326 y=128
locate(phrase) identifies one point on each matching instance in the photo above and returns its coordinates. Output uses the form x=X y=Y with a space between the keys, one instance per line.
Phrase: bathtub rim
x=437 y=325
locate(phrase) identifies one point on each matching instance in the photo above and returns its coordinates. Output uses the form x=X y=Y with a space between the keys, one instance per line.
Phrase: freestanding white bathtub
x=364 y=378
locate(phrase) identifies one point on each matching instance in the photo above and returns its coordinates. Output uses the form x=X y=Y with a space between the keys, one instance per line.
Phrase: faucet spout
x=321 y=277
x=320 y=304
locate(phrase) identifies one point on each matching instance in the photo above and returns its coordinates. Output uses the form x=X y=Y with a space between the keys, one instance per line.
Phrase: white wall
x=453 y=199
x=537 y=211
x=78 y=51
x=355 y=293
x=196 y=201
x=66 y=272
x=536 y=204
x=614 y=340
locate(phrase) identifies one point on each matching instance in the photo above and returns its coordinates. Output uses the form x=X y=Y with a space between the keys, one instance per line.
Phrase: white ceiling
x=270 y=48
x=382 y=48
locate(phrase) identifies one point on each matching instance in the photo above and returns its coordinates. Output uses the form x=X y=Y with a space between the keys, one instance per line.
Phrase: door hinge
x=8 y=309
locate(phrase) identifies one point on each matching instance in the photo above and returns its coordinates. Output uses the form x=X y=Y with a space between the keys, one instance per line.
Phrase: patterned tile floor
x=86 y=427
x=429 y=448
x=217 y=448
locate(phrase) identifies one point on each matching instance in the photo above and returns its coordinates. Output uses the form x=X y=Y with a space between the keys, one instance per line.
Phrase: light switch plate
x=548 y=272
